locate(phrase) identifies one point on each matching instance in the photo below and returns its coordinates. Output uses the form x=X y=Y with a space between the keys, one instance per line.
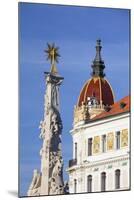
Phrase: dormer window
x=92 y=101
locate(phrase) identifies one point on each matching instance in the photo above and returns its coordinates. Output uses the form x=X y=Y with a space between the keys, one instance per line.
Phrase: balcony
x=72 y=162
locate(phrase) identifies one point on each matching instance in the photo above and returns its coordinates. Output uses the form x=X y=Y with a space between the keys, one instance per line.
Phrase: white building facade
x=101 y=137
x=101 y=156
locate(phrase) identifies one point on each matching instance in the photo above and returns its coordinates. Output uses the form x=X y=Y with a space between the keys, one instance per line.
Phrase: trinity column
x=50 y=180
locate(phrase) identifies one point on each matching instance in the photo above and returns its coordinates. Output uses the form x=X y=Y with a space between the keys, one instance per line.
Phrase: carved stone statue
x=50 y=180
x=42 y=128
x=56 y=180
x=34 y=189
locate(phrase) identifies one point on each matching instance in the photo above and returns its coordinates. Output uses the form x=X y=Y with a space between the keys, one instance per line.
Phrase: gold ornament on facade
x=84 y=112
x=95 y=79
x=80 y=113
x=110 y=141
x=124 y=138
x=96 y=144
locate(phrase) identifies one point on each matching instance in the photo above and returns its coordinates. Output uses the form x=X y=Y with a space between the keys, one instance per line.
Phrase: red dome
x=99 y=88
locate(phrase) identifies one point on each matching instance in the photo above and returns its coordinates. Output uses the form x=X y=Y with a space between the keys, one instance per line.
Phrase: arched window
x=117 y=179
x=89 y=183
x=75 y=186
x=103 y=181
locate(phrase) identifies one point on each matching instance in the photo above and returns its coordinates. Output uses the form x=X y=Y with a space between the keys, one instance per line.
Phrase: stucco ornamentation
x=124 y=138
x=110 y=141
x=96 y=144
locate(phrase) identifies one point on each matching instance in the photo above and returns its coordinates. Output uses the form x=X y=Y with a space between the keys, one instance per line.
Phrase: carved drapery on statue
x=56 y=185
x=53 y=145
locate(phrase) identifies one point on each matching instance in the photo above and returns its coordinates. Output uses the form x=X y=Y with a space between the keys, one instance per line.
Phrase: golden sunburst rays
x=52 y=53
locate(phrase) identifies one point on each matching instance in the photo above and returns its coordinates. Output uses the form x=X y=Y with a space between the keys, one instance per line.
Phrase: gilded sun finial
x=52 y=53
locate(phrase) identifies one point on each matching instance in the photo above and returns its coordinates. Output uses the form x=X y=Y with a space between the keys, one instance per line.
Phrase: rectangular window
x=75 y=186
x=75 y=154
x=103 y=143
x=118 y=140
x=89 y=146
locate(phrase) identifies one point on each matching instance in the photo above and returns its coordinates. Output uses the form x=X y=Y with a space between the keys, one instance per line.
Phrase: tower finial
x=52 y=55
x=98 y=50
x=98 y=64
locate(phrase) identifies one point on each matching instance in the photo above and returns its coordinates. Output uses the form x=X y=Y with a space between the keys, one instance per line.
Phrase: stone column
x=50 y=180
x=51 y=157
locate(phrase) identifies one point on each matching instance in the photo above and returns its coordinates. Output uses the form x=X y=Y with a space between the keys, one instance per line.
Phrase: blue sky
x=74 y=30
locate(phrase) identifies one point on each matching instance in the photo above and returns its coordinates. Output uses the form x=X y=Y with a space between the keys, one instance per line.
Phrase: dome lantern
x=98 y=64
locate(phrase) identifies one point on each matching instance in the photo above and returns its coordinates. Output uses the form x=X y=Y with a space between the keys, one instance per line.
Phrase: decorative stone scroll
x=124 y=138
x=96 y=144
x=110 y=141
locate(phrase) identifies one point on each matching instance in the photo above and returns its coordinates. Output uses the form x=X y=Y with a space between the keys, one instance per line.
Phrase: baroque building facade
x=101 y=136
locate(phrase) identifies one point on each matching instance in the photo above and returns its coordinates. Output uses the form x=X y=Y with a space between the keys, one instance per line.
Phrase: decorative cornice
x=99 y=121
x=99 y=163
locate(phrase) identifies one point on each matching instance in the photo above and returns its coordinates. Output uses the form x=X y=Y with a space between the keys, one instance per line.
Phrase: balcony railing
x=72 y=162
